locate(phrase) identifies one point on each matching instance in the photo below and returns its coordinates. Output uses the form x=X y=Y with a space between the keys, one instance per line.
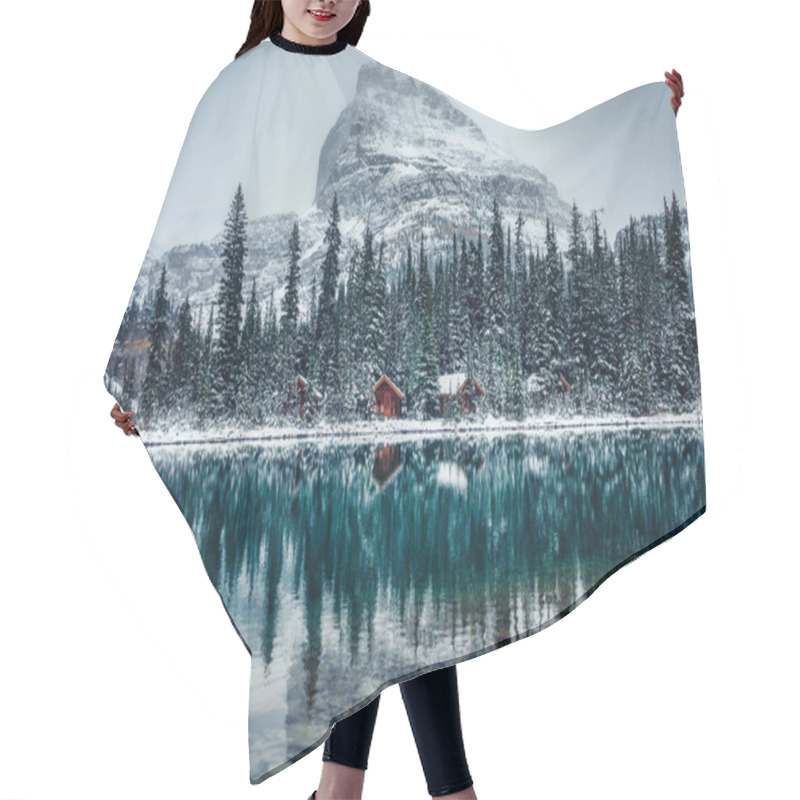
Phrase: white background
x=120 y=674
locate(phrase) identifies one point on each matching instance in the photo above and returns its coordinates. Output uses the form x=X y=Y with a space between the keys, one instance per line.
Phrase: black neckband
x=309 y=49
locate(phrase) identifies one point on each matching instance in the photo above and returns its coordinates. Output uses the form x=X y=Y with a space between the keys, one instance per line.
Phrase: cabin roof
x=535 y=383
x=454 y=382
x=303 y=383
x=392 y=386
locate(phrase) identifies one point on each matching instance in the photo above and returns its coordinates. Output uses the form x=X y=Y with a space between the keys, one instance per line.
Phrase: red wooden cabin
x=388 y=398
x=453 y=388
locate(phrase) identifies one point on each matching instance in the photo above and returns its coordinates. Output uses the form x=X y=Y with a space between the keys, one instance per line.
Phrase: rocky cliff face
x=403 y=159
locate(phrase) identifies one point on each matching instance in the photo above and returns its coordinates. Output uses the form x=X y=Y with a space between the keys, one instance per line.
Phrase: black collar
x=309 y=49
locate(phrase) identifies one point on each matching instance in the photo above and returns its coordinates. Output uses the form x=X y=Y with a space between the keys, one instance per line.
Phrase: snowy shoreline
x=387 y=430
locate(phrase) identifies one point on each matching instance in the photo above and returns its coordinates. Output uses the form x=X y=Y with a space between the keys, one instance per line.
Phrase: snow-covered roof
x=452 y=382
x=536 y=383
x=391 y=385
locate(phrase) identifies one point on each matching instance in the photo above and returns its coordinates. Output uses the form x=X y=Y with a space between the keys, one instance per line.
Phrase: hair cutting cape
x=419 y=381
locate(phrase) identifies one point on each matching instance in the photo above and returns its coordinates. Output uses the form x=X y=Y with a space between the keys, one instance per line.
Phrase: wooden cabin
x=454 y=388
x=538 y=388
x=388 y=398
x=305 y=393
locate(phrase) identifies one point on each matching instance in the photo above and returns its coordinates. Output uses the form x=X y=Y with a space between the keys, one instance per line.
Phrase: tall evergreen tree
x=129 y=383
x=552 y=329
x=336 y=398
x=427 y=391
x=509 y=300
x=327 y=363
x=424 y=285
x=290 y=303
x=632 y=374
x=226 y=358
x=289 y=349
x=249 y=400
x=155 y=385
x=477 y=295
x=495 y=291
x=185 y=361
x=536 y=354
x=392 y=343
x=514 y=386
x=685 y=377
x=377 y=317
x=580 y=328
x=463 y=321
x=441 y=316
x=353 y=336
x=603 y=299
x=272 y=360
x=312 y=313
x=518 y=284
x=205 y=388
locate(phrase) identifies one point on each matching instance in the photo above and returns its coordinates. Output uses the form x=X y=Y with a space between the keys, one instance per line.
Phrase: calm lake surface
x=349 y=567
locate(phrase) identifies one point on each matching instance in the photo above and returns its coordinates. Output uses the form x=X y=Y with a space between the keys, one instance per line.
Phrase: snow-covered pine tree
x=441 y=316
x=410 y=330
x=326 y=340
x=270 y=360
x=490 y=368
x=580 y=322
x=552 y=327
x=519 y=282
x=290 y=302
x=152 y=406
x=336 y=397
x=311 y=345
x=683 y=351
x=128 y=384
x=478 y=296
x=375 y=309
x=495 y=289
x=599 y=370
x=427 y=391
x=205 y=401
x=649 y=279
x=509 y=299
x=247 y=402
x=185 y=361
x=391 y=351
x=514 y=401
x=533 y=358
x=290 y=316
x=352 y=342
x=463 y=322
x=359 y=290
x=226 y=361
x=424 y=285
x=632 y=375
x=455 y=314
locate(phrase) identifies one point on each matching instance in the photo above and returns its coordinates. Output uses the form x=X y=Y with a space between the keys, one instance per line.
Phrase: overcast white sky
x=620 y=155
